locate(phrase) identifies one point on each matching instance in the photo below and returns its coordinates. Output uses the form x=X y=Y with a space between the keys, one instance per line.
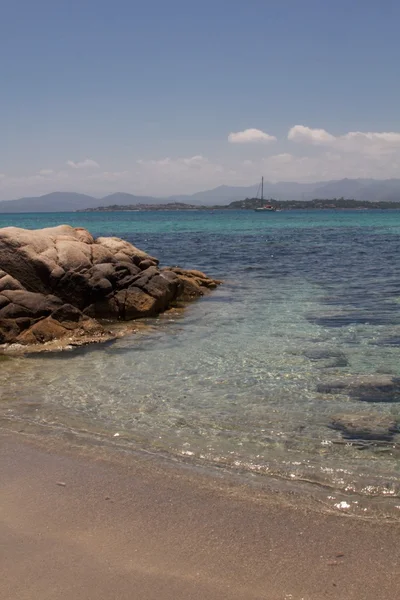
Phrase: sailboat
x=266 y=207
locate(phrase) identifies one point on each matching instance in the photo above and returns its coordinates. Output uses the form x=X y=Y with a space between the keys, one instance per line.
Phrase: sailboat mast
x=262 y=189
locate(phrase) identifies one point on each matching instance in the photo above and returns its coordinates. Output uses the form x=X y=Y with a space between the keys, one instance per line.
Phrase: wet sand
x=78 y=526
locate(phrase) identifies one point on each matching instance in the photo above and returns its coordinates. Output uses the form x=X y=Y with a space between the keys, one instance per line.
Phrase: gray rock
x=27 y=304
x=364 y=426
x=389 y=341
x=372 y=388
x=327 y=357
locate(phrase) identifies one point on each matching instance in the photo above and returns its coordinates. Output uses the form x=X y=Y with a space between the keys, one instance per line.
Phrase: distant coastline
x=252 y=203
x=221 y=197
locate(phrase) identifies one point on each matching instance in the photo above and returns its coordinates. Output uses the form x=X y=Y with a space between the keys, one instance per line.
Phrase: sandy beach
x=88 y=526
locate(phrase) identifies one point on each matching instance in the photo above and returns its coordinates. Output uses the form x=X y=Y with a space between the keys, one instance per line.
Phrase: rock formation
x=61 y=282
x=367 y=388
x=365 y=426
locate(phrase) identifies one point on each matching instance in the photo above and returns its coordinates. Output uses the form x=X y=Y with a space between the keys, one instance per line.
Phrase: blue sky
x=101 y=95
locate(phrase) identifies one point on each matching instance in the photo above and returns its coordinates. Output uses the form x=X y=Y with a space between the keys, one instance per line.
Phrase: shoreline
x=103 y=524
x=113 y=331
x=300 y=494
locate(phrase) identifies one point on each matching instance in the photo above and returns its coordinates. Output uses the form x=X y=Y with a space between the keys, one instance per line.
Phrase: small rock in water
x=389 y=341
x=367 y=388
x=364 y=426
x=322 y=353
x=327 y=357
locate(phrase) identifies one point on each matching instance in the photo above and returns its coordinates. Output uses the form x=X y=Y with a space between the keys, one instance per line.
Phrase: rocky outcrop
x=59 y=282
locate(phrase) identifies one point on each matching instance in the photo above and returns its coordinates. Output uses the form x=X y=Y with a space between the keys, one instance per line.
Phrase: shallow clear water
x=308 y=297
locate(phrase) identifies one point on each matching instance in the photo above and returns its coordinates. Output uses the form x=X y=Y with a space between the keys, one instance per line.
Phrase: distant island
x=142 y=206
x=364 y=190
x=252 y=203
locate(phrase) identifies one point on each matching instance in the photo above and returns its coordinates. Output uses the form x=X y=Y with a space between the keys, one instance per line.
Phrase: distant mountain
x=372 y=190
x=224 y=194
x=345 y=188
x=358 y=189
x=55 y=202
x=70 y=201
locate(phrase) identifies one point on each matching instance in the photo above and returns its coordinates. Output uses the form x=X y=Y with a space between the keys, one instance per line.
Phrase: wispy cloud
x=88 y=163
x=369 y=143
x=46 y=172
x=250 y=136
x=192 y=162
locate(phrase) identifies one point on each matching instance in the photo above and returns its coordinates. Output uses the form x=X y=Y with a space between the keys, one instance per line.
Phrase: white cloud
x=325 y=165
x=178 y=165
x=179 y=175
x=389 y=137
x=88 y=163
x=162 y=162
x=308 y=155
x=192 y=161
x=249 y=136
x=282 y=159
x=108 y=176
x=300 y=133
x=195 y=161
x=365 y=143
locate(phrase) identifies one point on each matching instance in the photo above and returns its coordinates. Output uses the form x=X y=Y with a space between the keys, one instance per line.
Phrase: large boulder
x=54 y=282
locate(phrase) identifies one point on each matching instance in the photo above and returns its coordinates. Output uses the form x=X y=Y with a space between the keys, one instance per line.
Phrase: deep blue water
x=236 y=381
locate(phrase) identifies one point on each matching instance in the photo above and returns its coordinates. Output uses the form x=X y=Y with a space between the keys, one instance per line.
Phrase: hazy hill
x=224 y=194
x=372 y=190
x=55 y=202
x=70 y=201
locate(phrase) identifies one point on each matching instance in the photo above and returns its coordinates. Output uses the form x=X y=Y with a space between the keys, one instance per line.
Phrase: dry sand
x=129 y=529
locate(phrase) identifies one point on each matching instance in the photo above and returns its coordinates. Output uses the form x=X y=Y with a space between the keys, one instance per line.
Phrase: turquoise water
x=234 y=382
x=120 y=223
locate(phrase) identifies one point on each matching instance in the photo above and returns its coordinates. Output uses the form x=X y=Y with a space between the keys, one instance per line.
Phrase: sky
x=160 y=98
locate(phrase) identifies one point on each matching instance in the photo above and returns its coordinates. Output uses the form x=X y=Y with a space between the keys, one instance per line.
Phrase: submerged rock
x=352 y=317
x=389 y=341
x=367 y=388
x=327 y=357
x=57 y=282
x=362 y=426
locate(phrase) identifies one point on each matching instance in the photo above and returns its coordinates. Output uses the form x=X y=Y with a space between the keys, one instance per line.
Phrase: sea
x=239 y=381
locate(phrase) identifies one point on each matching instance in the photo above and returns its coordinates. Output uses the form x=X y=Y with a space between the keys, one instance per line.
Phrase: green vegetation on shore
x=252 y=203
